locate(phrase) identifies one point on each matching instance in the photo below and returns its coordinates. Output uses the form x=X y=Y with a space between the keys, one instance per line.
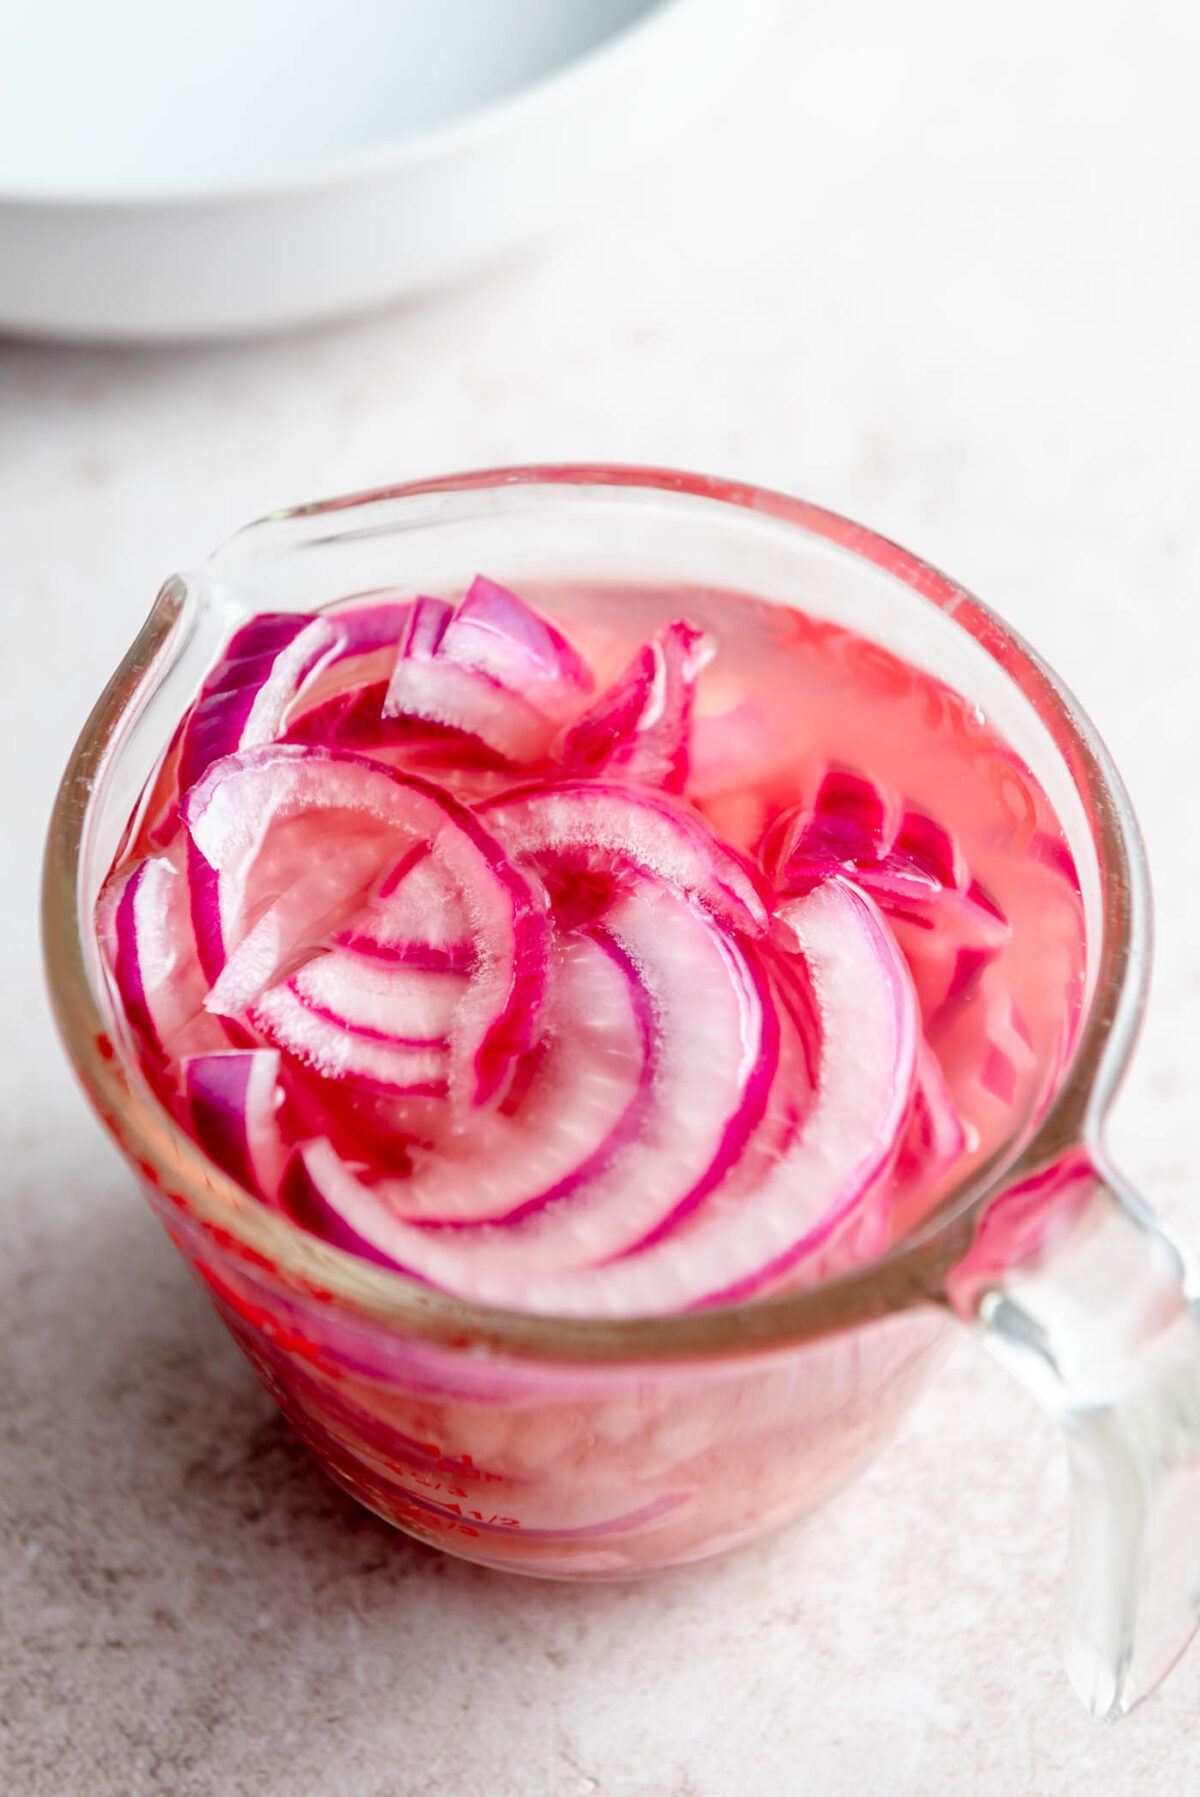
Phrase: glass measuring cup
x=596 y=1449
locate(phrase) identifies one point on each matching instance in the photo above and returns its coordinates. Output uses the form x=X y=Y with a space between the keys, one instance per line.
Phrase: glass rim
x=913 y=1270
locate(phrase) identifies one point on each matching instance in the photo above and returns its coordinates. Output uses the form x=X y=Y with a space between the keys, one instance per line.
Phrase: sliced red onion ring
x=251 y=821
x=442 y=693
x=145 y=923
x=843 y=1146
x=640 y=726
x=713 y=1061
x=270 y=663
x=306 y=912
x=610 y=830
x=484 y=670
x=367 y=633
x=233 y=1101
x=411 y=1006
x=306 y=678
x=370 y=1125
x=418 y=918
x=495 y=633
x=946 y=923
x=244 y=699
x=906 y=860
x=355 y=720
x=850 y=826
x=586 y=1096
x=303 y=1198
x=323 y=1043
x=949 y=943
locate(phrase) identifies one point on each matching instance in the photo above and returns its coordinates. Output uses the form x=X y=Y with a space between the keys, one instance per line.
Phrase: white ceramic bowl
x=201 y=167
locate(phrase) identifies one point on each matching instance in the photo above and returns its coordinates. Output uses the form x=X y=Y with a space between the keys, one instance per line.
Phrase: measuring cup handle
x=1083 y=1293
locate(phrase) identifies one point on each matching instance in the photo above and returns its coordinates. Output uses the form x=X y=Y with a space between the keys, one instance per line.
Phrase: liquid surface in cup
x=597 y=952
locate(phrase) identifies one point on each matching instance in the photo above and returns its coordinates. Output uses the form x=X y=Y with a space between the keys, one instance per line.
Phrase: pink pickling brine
x=592 y=952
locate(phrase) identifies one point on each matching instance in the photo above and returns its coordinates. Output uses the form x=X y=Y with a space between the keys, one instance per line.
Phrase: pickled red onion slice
x=587 y=1093
x=385 y=1065
x=425 y=921
x=243 y=701
x=355 y=720
x=384 y=1003
x=496 y=633
x=612 y=830
x=257 y=894
x=640 y=727
x=948 y=926
x=845 y=1144
x=145 y=924
x=849 y=827
x=441 y=692
x=708 y=1073
x=233 y=1100
x=389 y=1027
x=274 y=661
x=491 y=668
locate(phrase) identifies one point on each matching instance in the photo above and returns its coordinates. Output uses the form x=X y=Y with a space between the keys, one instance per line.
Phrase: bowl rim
x=656 y=28
x=914 y=1271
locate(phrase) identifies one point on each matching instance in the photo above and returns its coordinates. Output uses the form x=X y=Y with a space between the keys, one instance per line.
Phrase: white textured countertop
x=939 y=269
